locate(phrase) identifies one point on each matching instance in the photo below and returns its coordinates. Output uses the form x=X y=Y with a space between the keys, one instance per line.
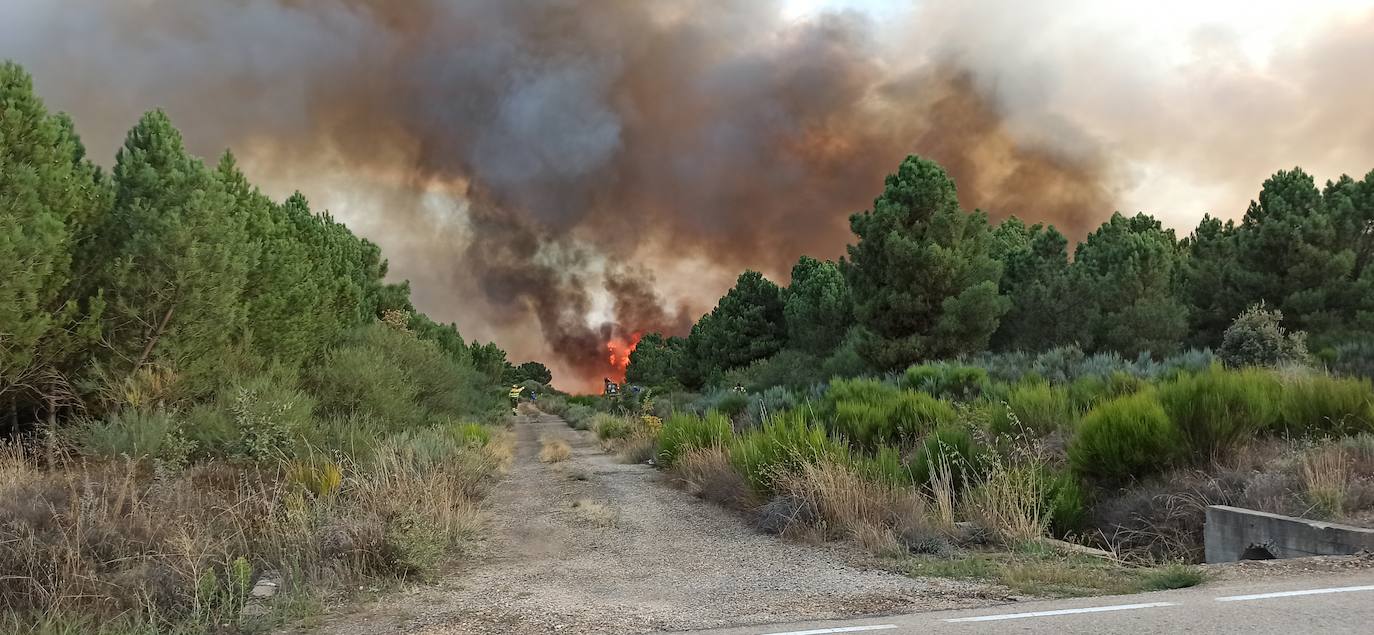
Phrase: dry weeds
x=595 y=513
x=554 y=450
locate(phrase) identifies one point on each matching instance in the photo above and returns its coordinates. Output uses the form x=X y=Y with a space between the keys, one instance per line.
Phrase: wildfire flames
x=618 y=351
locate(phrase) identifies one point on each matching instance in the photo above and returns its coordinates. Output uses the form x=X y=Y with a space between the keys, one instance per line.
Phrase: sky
x=551 y=175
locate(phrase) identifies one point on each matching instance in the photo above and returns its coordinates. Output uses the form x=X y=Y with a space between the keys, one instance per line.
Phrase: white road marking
x=1289 y=594
x=841 y=629
x=1095 y=609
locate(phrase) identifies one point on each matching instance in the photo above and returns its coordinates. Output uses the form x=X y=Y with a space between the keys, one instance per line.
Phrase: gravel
x=668 y=562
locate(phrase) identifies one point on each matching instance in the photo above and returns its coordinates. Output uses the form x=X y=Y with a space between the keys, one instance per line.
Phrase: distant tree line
x=926 y=280
x=166 y=262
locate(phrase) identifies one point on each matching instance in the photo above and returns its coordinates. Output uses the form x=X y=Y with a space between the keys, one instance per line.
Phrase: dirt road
x=660 y=560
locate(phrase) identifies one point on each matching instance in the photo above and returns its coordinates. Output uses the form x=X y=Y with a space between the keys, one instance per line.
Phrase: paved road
x=1336 y=603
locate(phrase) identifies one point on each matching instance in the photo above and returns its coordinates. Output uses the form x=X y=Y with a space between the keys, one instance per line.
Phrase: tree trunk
x=157 y=334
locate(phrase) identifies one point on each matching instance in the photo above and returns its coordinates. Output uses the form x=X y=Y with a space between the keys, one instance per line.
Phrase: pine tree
x=817 y=306
x=181 y=258
x=49 y=194
x=922 y=275
x=1124 y=278
x=1035 y=274
x=746 y=325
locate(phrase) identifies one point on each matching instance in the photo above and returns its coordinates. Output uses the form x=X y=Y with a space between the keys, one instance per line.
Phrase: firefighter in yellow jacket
x=515 y=398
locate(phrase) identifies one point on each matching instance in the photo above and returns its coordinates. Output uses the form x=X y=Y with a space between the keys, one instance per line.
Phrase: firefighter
x=515 y=391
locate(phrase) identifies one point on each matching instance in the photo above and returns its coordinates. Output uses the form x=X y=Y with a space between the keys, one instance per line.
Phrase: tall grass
x=684 y=432
x=783 y=444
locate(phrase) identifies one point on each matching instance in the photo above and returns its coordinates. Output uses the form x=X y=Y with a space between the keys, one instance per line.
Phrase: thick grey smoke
x=533 y=166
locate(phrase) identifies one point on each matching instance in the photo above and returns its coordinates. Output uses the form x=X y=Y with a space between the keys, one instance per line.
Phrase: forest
x=926 y=280
x=952 y=392
x=204 y=387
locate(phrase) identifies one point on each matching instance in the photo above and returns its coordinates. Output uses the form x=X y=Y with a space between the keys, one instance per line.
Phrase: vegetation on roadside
x=208 y=389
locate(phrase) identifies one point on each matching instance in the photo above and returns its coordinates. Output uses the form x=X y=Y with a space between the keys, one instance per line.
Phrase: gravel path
x=661 y=561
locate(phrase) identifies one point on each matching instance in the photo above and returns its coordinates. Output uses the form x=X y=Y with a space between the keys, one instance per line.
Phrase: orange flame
x=618 y=354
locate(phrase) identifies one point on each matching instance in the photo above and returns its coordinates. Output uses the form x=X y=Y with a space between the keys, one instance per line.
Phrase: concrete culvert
x=1257 y=552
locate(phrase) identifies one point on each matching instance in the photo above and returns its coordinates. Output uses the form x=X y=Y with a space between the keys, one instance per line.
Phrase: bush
x=1040 y=407
x=1091 y=390
x=611 y=427
x=733 y=404
x=579 y=417
x=782 y=444
x=1256 y=339
x=1318 y=405
x=787 y=369
x=1127 y=437
x=1216 y=409
x=845 y=362
x=135 y=434
x=1353 y=359
x=362 y=380
x=953 y=447
x=685 y=432
x=947 y=380
x=775 y=400
x=892 y=418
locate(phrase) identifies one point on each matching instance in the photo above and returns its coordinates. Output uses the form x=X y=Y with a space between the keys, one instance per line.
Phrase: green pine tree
x=922 y=274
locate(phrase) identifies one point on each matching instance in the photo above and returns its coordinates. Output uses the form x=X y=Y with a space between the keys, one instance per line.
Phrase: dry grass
x=142 y=549
x=1326 y=478
x=554 y=450
x=1008 y=503
x=708 y=474
x=874 y=514
x=595 y=513
x=638 y=449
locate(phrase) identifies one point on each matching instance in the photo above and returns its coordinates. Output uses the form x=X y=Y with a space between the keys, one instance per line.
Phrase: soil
x=653 y=559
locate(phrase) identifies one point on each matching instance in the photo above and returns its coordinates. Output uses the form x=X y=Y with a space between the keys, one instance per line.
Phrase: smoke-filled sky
x=554 y=174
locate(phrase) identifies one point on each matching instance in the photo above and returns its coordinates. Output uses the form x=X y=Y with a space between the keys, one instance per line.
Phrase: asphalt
x=1334 y=603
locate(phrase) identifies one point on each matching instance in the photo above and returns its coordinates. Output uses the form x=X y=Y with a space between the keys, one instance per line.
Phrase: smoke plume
x=591 y=169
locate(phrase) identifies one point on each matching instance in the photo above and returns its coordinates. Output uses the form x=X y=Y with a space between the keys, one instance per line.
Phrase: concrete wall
x=1231 y=531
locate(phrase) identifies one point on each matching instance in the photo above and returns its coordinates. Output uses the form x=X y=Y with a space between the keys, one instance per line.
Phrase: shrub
x=361 y=380
x=1127 y=437
x=580 y=417
x=1318 y=405
x=135 y=434
x=949 y=447
x=845 y=361
x=470 y=434
x=775 y=400
x=686 y=432
x=782 y=444
x=947 y=380
x=1256 y=339
x=1353 y=359
x=889 y=417
x=732 y=404
x=1086 y=392
x=859 y=390
x=1040 y=407
x=1216 y=409
x=611 y=427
